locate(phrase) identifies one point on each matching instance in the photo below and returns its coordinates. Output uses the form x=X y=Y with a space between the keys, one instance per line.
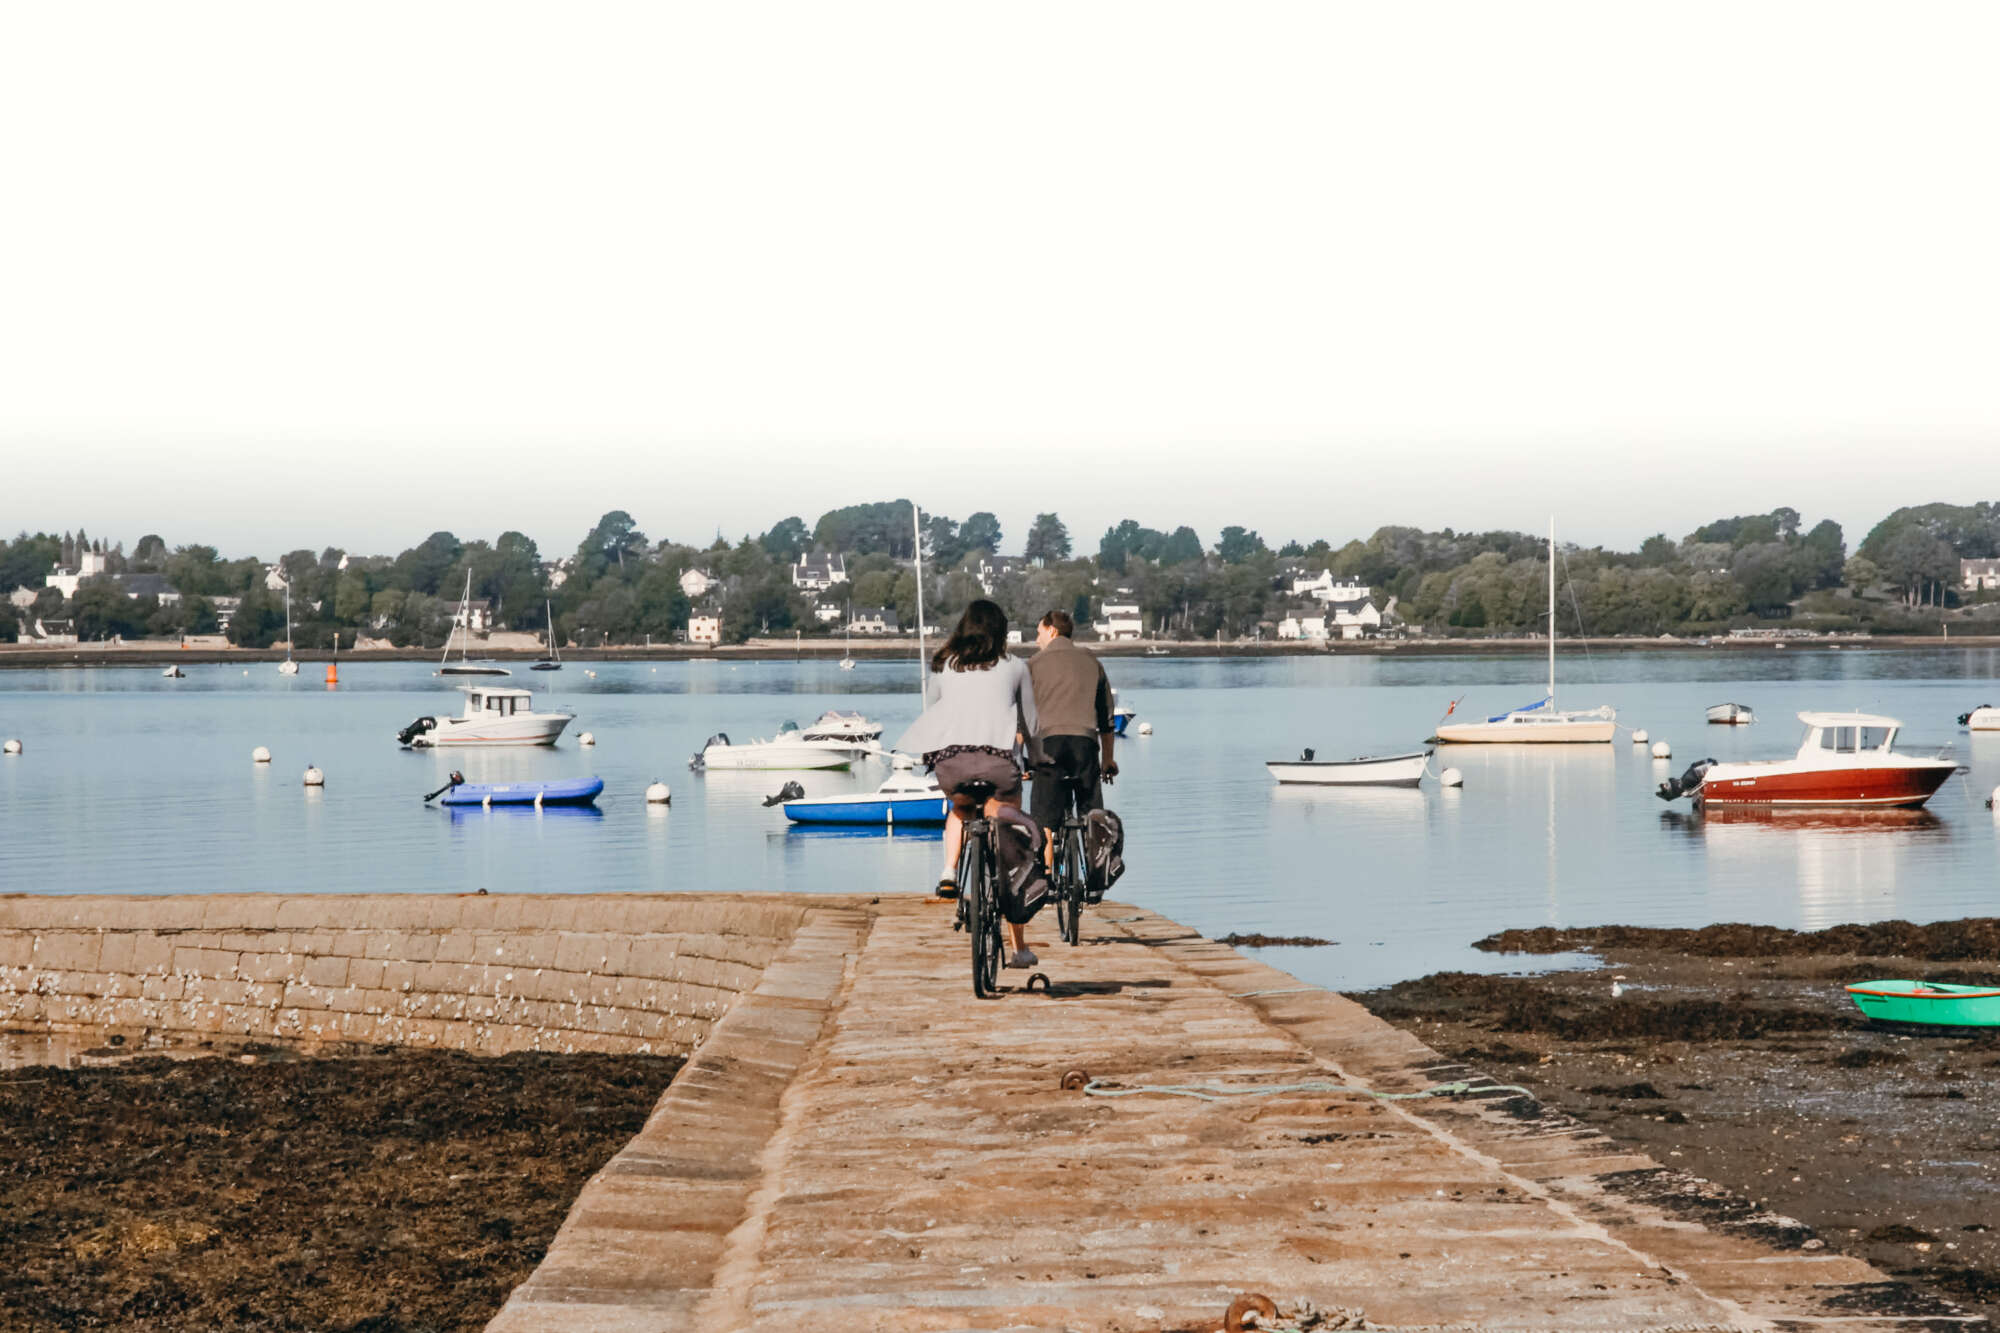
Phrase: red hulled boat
x=1846 y=759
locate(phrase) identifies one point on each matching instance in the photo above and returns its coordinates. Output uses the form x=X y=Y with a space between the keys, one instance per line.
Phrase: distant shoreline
x=27 y=656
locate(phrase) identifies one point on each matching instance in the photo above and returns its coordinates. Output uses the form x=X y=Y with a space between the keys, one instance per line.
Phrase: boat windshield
x=1852 y=740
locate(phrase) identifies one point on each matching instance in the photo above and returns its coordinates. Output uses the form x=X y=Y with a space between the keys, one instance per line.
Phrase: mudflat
x=1733 y=1053
x=408 y=1190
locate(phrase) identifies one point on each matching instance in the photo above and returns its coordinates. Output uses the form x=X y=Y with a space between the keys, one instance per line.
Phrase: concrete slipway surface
x=861 y=1145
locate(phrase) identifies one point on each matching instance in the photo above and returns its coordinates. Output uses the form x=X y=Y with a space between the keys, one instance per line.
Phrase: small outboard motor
x=1306 y=755
x=697 y=763
x=791 y=791
x=1964 y=718
x=1687 y=784
x=408 y=735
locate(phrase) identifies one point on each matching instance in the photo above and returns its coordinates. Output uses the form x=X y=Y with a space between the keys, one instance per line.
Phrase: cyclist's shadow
x=1076 y=990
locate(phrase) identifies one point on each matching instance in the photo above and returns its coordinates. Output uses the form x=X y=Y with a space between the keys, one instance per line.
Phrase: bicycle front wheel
x=982 y=897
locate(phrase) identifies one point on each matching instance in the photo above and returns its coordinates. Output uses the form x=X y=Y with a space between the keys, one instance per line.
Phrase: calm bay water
x=134 y=783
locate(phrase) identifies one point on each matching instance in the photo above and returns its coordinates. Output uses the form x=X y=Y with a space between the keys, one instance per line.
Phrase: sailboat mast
x=917 y=547
x=1552 y=611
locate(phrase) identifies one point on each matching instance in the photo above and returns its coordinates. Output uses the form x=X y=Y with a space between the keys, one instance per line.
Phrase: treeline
x=618 y=586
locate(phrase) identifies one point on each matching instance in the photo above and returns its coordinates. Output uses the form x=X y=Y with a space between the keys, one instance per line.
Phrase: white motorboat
x=1730 y=715
x=1391 y=770
x=464 y=666
x=787 y=751
x=288 y=667
x=1845 y=759
x=174 y=673
x=493 y=716
x=1538 y=723
x=1983 y=718
x=835 y=725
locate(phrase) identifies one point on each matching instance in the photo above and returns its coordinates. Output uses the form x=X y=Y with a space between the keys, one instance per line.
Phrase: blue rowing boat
x=575 y=791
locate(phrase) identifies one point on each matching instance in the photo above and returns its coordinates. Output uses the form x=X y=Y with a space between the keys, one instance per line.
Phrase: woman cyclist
x=979 y=704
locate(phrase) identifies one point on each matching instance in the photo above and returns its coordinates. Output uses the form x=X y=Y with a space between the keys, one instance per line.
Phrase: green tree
x=1239 y=544
x=980 y=532
x=1048 y=539
x=150 y=555
x=615 y=538
x=787 y=540
x=1860 y=573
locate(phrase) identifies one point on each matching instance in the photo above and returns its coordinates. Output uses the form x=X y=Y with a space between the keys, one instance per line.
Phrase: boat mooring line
x=1287 y=990
x=1222 y=1092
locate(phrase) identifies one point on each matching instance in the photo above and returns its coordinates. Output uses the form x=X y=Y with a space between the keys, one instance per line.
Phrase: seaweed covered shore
x=386 y=1193
x=1733 y=1053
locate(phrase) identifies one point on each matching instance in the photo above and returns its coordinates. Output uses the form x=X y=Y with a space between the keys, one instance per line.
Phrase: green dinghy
x=1929 y=1002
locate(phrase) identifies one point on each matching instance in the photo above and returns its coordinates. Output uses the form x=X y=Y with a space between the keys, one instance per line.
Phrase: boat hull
x=1540 y=731
x=1930 y=1003
x=769 y=756
x=520 y=729
x=1887 y=786
x=1730 y=715
x=1401 y=770
x=1983 y=719
x=869 y=809
x=1119 y=721
x=576 y=792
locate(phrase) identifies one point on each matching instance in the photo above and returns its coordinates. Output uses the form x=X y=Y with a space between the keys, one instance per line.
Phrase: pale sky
x=275 y=275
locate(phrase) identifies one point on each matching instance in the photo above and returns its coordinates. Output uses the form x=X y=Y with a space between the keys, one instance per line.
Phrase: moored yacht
x=1845 y=759
x=492 y=716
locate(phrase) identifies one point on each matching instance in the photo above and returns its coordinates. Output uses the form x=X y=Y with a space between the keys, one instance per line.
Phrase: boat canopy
x=1542 y=702
x=1848 y=720
x=1847 y=733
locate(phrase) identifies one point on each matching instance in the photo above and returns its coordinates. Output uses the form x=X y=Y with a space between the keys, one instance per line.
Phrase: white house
x=829 y=613
x=88 y=565
x=1324 y=587
x=51 y=633
x=819 y=571
x=1307 y=628
x=152 y=585
x=874 y=620
x=696 y=583
x=705 y=629
x=477 y=616
x=274 y=578
x=1979 y=575
x=1353 y=621
x=992 y=568
x=1121 y=621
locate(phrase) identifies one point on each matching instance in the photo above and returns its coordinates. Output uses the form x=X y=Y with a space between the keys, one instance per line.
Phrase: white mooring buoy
x=1638 y=738
x=1145 y=728
x=1992 y=802
x=260 y=755
x=314 y=778
x=1451 y=777
x=658 y=794
x=586 y=739
x=11 y=747
x=1662 y=750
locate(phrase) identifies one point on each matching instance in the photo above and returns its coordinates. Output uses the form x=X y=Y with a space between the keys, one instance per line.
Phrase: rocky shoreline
x=1733 y=1053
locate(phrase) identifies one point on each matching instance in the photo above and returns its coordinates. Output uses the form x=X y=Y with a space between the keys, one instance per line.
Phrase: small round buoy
x=586 y=739
x=260 y=755
x=1638 y=738
x=1451 y=777
x=1662 y=750
x=314 y=778
x=11 y=747
x=1145 y=728
x=657 y=794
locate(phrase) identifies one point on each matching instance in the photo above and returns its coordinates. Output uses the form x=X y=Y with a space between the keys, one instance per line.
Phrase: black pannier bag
x=1024 y=879
x=1103 y=853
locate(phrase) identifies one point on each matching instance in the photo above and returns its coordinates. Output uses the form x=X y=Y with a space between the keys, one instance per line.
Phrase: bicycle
x=979 y=891
x=1071 y=871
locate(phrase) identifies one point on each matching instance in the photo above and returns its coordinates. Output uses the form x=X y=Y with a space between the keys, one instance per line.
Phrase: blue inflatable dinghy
x=575 y=791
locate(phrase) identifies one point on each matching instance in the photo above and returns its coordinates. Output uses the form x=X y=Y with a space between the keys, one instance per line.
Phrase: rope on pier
x=1287 y=990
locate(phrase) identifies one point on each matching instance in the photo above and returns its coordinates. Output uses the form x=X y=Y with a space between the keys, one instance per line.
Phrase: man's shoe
x=1023 y=958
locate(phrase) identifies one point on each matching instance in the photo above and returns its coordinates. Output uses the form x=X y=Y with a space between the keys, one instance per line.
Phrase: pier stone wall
x=621 y=973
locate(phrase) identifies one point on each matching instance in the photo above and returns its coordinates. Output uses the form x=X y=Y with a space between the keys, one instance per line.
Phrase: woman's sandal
x=947 y=889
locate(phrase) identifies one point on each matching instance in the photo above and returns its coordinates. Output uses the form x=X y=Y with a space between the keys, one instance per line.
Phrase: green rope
x=1222 y=1092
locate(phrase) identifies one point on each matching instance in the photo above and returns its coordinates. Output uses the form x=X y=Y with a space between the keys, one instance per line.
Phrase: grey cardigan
x=988 y=707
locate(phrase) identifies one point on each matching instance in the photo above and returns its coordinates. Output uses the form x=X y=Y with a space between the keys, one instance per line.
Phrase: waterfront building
x=1121 y=621
x=1979 y=575
x=819 y=571
x=705 y=629
x=874 y=620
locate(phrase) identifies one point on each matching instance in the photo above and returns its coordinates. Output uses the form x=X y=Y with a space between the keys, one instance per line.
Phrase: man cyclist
x=1072 y=744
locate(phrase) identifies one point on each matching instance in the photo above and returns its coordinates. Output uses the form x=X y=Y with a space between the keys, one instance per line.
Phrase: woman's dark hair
x=979 y=641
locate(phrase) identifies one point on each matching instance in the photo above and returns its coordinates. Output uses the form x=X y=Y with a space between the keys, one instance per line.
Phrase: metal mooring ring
x=1073 y=1080
x=1042 y=977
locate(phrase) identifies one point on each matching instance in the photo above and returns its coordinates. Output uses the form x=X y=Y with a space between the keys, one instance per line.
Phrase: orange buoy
x=332 y=673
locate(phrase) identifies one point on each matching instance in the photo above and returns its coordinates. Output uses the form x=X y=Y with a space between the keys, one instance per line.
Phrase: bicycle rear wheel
x=1069 y=885
x=981 y=893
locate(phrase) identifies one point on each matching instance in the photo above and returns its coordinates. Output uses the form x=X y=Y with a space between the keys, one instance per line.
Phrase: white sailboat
x=288 y=667
x=847 y=642
x=1538 y=723
x=552 y=662
x=464 y=666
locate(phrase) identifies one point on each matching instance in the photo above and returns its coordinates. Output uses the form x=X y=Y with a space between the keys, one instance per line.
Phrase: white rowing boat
x=1390 y=770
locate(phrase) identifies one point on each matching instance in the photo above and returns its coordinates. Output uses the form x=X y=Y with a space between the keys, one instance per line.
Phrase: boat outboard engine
x=1306 y=756
x=698 y=763
x=791 y=791
x=1687 y=784
x=1964 y=718
x=408 y=735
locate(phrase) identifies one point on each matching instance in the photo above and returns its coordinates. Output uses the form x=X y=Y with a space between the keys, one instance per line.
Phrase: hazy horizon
x=285 y=278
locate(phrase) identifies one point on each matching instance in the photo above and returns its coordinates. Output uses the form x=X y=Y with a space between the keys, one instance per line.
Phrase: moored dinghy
x=573 y=791
x=1730 y=715
x=1983 y=718
x=1927 y=1002
x=1393 y=770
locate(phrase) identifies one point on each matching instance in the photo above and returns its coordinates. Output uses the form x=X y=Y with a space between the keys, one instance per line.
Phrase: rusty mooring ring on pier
x=1033 y=977
x=1073 y=1080
x=1243 y=1307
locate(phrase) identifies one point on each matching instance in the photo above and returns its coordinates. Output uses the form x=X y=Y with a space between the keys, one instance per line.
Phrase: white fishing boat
x=1845 y=759
x=288 y=667
x=1541 y=722
x=1390 y=770
x=1730 y=715
x=787 y=751
x=493 y=716
x=464 y=666
x=175 y=673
